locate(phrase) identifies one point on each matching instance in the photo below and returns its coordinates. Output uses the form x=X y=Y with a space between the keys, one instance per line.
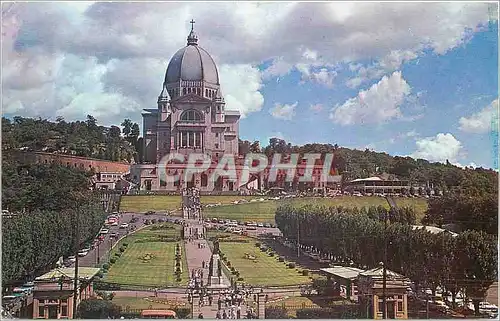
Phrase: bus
x=158 y=314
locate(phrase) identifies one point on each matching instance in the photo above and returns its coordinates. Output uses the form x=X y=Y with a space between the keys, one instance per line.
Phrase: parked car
x=83 y=253
x=150 y=212
x=124 y=225
x=104 y=231
x=260 y=225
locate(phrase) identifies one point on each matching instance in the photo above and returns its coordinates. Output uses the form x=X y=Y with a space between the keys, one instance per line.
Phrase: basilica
x=191 y=117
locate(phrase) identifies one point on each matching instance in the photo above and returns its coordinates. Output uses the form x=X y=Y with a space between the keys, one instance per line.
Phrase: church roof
x=192 y=63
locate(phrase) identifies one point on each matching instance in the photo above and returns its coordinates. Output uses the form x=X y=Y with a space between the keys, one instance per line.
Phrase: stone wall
x=97 y=165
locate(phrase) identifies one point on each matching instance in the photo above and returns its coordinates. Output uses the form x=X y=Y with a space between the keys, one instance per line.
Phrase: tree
x=127 y=127
x=98 y=309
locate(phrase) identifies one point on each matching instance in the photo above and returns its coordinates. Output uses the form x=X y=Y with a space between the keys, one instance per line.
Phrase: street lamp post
x=77 y=246
x=384 y=271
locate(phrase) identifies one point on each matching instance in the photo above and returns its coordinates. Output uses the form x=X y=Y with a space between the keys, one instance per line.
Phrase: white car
x=82 y=253
x=72 y=259
x=124 y=225
x=104 y=231
x=260 y=225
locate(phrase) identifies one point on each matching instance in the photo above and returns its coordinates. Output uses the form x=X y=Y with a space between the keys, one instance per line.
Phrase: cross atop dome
x=192 y=39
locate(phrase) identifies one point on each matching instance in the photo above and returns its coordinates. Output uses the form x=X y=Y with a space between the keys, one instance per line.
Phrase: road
x=101 y=251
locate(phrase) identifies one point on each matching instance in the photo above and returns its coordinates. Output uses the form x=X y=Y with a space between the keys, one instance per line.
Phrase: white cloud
x=483 y=121
x=379 y=103
x=387 y=64
x=283 y=111
x=316 y=108
x=240 y=85
x=440 y=148
x=44 y=41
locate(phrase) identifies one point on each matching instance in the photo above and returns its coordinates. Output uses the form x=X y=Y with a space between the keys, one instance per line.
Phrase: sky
x=408 y=79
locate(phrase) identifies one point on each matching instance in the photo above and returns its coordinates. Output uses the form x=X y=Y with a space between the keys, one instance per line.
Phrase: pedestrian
x=210 y=300
x=203 y=264
x=219 y=303
x=224 y=315
x=200 y=316
x=238 y=312
x=218 y=315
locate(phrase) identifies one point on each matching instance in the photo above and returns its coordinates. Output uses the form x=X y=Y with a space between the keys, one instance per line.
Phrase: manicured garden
x=151 y=257
x=264 y=211
x=254 y=264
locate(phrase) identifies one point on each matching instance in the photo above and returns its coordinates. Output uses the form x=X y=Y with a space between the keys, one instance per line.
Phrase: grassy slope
x=264 y=211
x=144 y=203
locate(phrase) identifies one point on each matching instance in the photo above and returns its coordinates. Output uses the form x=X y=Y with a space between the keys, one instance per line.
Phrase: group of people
x=193 y=204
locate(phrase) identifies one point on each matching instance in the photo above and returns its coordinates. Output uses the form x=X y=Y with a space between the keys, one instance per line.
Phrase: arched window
x=198 y=91
x=192 y=116
x=189 y=90
x=206 y=92
x=183 y=91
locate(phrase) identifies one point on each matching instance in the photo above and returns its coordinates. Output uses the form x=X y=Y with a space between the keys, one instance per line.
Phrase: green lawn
x=144 y=203
x=264 y=211
x=130 y=268
x=265 y=270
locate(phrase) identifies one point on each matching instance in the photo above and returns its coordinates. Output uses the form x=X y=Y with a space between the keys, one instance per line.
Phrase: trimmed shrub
x=276 y=312
x=271 y=253
x=105 y=266
x=305 y=272
x=112 y=260
x=240 y=279
x=177 y=264
x=257 y=244
x=125 y=244
x=178 y=270
x=291 y=265
x=228 y=263
x=281 y=259
x=122 y=249
x=118 y=254
x=182 y=313
x=100 y=274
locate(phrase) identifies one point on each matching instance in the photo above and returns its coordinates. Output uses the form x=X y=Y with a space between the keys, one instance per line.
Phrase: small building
x=342 y=277
x=53 y=292
x=370 y=294
x=107 y=180
x=377 y=185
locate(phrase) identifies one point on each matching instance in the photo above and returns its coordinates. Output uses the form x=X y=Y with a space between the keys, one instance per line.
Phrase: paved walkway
x=195 y=256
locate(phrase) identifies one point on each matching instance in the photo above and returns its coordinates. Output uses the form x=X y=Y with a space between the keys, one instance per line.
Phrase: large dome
x=192 y=63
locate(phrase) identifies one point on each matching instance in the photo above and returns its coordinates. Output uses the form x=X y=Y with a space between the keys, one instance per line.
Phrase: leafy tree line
x=33 y=241
x=353 y=163
x=46 y=199
x=467 y=261
x=475 y=212
x=79 y=138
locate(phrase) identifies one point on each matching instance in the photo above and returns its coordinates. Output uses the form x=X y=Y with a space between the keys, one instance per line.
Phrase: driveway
x=100 y=253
